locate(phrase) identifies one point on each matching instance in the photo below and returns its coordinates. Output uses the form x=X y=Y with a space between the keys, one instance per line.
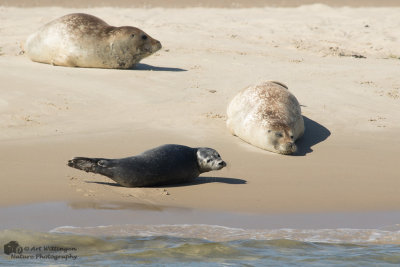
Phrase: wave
x=206 y=245
x=386 y=235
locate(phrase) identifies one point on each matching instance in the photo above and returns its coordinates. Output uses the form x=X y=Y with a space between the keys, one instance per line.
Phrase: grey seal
x=83 y=40
x=267 y=116
x=163 y=165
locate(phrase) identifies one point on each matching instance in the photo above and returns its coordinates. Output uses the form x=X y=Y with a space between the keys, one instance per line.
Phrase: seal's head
x=208 y=159
x=130 y=40
x=281 y=139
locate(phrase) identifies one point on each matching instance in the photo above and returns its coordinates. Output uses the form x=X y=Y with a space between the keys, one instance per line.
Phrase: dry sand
x=341 y=63
x=196 y=3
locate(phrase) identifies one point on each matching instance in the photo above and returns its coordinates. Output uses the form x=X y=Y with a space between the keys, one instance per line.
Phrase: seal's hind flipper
x=95 y=165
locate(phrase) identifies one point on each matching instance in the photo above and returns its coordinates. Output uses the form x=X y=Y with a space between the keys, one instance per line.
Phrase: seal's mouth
x=286 y=149
x=150 y=48
x=156 y=46
x=220 y=165
x=153 y=47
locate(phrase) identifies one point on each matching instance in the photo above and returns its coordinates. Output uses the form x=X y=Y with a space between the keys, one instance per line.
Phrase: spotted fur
x=268 y=116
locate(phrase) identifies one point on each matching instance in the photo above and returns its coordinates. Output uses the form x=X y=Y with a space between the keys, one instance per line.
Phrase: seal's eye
x=218 y=156
x=278 y=135
x=208 y=161
x=291 y=137
x=144 y=37
x=132 y=35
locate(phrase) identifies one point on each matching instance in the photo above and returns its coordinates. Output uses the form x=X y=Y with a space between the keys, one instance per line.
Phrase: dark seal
x=163 y=165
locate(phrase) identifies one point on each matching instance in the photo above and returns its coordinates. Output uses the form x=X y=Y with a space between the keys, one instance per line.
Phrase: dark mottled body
x=167 y=164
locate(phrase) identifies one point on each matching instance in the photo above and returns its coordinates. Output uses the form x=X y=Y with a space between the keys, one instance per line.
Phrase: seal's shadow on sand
x=104 y=183
x=314 y=134
x=198 y=180
x=141 y=66
x=207 y=180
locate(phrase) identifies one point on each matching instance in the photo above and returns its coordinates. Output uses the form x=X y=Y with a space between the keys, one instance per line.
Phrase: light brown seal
x=267 y=116
x=83 y=40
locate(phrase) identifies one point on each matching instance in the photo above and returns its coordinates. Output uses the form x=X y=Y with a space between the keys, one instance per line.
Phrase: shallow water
x=112 y=234
x=203 y=245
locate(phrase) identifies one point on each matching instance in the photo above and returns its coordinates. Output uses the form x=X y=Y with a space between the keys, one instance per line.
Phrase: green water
x=145 y=236
x=219 y=246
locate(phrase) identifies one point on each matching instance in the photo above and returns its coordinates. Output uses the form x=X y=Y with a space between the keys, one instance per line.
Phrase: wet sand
x=97 y=218
x=322 y=180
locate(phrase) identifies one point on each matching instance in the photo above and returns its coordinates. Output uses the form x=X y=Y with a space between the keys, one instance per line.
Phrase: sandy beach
x=342 y=64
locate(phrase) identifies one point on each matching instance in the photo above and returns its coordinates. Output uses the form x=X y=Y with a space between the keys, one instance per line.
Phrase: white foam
x=222 y=233
x=55 y=230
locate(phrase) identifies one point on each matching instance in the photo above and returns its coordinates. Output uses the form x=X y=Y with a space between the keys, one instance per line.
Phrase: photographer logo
x=15 y=251
x=12 y=247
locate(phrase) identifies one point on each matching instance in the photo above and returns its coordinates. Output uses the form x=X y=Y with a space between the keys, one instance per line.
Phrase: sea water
x=202 y=245
x=191 y=244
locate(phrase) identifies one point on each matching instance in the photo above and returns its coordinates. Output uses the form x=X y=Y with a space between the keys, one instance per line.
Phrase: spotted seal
x=267 y=116
x=83 y=40
x=167 y=164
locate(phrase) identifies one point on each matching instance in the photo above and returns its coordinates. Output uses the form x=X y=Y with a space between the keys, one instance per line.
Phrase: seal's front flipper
x=95 y=165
